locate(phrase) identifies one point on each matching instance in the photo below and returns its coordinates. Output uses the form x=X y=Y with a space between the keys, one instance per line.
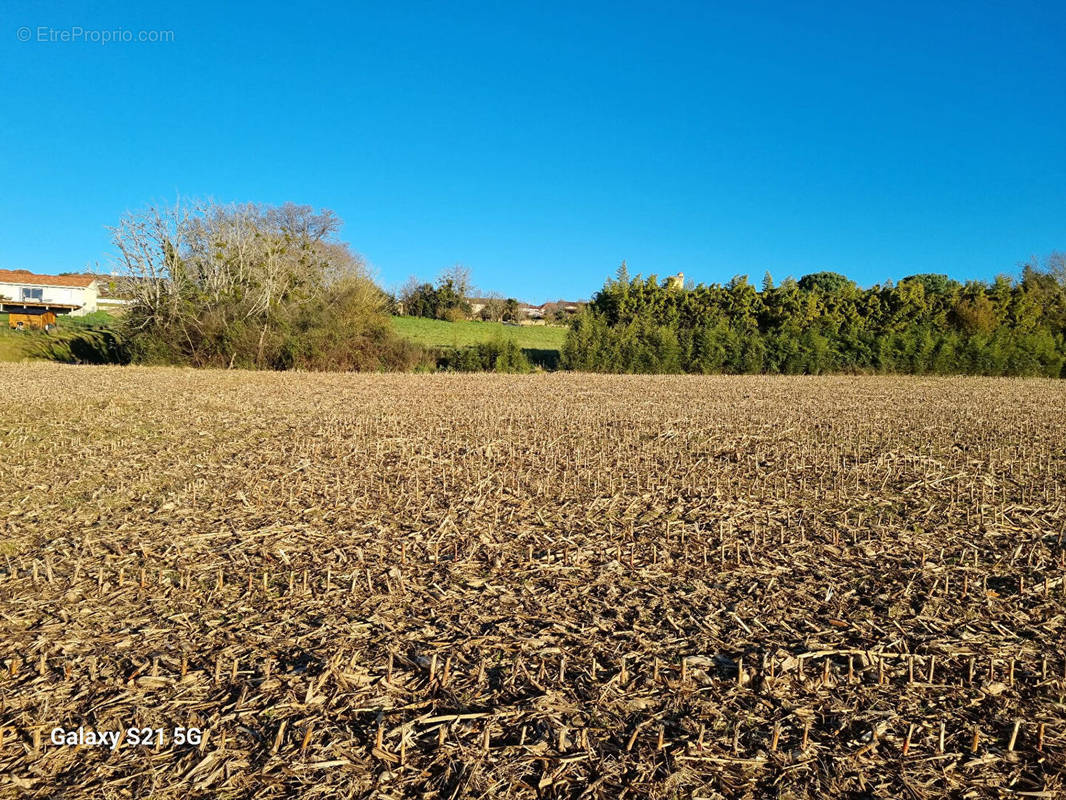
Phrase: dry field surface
x=552 y=586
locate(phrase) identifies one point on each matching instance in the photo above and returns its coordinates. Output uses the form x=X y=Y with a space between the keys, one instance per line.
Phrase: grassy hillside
x=17 y=345
x=541 y=343
x=13 y=344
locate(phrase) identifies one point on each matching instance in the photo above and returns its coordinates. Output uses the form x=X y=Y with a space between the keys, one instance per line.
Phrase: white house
x=26 y=292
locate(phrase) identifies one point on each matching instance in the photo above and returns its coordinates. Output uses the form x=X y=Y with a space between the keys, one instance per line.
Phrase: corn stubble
x=552 y=586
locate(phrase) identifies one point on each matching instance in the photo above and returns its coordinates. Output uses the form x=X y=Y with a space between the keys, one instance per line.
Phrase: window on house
x=36 y=295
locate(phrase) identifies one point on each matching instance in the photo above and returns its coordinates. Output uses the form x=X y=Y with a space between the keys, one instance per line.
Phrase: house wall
x=68 y=295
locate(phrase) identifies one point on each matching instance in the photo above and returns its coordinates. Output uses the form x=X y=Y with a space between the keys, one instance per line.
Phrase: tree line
x=824 y=322
x=273 y=287
x=450 y=299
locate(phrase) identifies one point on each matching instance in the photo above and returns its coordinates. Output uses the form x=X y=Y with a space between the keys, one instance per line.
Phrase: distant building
x=676 y=281
x=109 y=297
x=34 y=301
x=531 y=312
x=478 y=303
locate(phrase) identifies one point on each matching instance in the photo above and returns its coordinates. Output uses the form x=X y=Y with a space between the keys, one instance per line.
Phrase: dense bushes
x=638 y=345
x=341 y=335
x=251 y=286
x=927 y=324
x=496 y=356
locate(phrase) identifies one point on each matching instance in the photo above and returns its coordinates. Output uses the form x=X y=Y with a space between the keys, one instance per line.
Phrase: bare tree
x=459 y=276
x=494 y=308
x=1056 y=266
x=148 y=244
x=407 y=290
x=206 y=278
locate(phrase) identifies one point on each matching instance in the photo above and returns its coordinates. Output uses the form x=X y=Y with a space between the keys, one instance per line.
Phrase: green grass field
x=542 y=344
x=437 y=333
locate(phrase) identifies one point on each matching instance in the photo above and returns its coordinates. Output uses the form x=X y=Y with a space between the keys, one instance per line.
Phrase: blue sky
x=541 y=143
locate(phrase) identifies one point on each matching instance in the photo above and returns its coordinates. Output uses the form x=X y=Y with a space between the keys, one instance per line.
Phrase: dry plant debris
x=551 y=586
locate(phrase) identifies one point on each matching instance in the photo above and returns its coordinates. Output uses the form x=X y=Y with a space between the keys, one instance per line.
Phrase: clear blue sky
x=541 y=143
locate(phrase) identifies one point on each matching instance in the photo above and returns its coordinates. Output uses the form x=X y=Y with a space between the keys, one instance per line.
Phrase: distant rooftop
x=24 y=276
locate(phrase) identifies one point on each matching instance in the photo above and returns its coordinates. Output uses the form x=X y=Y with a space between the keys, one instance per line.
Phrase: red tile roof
x=32 y=279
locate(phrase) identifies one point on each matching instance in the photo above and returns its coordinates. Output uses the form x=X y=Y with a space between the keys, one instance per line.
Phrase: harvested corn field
x=550 y=586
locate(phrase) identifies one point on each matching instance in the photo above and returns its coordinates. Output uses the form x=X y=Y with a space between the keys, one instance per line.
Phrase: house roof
x=28 y=278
